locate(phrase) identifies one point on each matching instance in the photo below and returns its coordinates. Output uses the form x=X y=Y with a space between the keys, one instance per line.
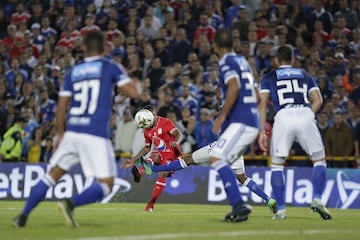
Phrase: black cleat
x=19 y=221
x=239 y=213
x=137 y=173
x=66 y=207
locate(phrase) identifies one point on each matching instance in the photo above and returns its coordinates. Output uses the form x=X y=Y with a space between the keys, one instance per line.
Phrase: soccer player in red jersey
x=162 y=138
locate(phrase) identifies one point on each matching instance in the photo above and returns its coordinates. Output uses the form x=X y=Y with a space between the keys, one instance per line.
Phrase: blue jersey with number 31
x=245 y=109
x=288 y=87
x=90 y=85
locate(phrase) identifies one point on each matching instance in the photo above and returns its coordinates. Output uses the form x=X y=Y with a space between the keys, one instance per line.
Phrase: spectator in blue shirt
x=203 y=132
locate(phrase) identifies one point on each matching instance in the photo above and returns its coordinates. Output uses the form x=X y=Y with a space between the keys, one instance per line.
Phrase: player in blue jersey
x=296 y=99
x=237 y=122
x=87 y=93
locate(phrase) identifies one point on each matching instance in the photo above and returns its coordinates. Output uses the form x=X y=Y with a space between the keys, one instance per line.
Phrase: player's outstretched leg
x=66 y=207
x=272 y=204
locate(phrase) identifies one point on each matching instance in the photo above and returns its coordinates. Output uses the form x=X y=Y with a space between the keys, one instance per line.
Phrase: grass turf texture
x=128 y=221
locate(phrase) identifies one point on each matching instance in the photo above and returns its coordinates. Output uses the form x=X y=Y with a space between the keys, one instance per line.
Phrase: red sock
x=158 y=189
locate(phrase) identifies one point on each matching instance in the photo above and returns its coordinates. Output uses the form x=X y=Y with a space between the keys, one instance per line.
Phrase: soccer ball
x=144 y=118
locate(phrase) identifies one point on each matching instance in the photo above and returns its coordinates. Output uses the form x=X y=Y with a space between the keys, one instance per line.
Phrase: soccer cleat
x=147 y=167
x=137 y=172
x=239 y=213
x=19 y=221
x=280 y=215
x=149 y=207
x=272 y=204
x=321 y=209
x=67 y=209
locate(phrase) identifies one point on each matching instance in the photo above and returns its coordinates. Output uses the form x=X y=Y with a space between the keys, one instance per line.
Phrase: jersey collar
x=284 y=66
x=90 y=59
x=227 y=54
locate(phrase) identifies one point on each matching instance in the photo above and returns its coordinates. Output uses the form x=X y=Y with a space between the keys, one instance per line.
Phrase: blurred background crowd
x=167 y=48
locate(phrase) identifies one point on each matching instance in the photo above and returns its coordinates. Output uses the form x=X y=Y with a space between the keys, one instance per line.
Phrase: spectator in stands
x=321 y=14
x=169 y=104
x=349 y=15
x=203 y=31
x=10 y=149
x=149 y=31
x=34 y=146
x=203 y=129
x=47 y=108
x=155 y=74
x=125 y=132
x=47 y=150
x=339 y=142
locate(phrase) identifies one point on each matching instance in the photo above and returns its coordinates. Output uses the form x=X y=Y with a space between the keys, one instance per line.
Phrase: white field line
x=222 y=234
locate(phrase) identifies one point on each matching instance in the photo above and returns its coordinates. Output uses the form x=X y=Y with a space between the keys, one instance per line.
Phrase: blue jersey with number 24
x=245 y=109
x=288 y=87
x=90 y=85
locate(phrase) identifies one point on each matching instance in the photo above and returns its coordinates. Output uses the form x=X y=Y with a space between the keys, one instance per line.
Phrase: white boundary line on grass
x=219 y=234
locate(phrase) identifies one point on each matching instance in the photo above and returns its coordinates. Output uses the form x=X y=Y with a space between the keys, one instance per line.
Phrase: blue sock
x=278 y=187
x=90 y=195
x=171 y=166
x=230 y=183
x=256 y=189
x=318 y=180
x=37 y=194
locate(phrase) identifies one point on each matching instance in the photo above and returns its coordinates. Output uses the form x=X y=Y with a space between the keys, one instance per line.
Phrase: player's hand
x=173 y=144
x=263 y=141
x=128 y=163
x=217 y=124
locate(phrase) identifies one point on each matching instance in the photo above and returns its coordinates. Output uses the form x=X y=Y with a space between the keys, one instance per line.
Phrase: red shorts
x=168 y=155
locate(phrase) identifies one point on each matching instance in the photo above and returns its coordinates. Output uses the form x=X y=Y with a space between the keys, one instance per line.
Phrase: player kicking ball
x=162 y=140
x=201 y=157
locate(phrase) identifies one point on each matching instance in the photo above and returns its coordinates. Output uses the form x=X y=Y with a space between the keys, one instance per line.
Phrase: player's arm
x=130 y=162
x=316 y=100
x=178 y=137
x=130 y=90
x=264 y=97
x=231 y=96
x=60 y=114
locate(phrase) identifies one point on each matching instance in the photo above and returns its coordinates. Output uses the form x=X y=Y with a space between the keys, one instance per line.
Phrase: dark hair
x=223 y=38
x=285 y=54
x=94 y=41
x=151 y=108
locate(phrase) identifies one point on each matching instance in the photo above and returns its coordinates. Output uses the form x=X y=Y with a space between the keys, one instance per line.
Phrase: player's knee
x=318 y=156
x=156 y=158
x=277 y=160
x=106 y=185
x=189 y=160
x=56 y=173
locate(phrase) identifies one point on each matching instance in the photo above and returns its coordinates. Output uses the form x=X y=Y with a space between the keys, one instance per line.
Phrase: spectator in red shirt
x=204 y=29
x=14 y=44
x=89 y=24
x=20 y=15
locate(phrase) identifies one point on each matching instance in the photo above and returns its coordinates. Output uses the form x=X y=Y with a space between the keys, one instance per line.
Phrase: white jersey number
x=88 y=104
x=290 y=86
x=249 y=86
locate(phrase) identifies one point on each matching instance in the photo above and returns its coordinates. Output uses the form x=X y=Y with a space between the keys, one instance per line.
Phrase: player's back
x=90 y=84
x=289 y=87
x=245 y=109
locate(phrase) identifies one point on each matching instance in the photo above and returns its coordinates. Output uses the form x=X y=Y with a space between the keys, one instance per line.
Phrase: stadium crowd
x=167 y=49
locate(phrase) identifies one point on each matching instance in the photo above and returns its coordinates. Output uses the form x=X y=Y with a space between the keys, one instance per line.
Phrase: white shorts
x=95 y=154
x=233 y=142
x=295 y=124
x=201 y=157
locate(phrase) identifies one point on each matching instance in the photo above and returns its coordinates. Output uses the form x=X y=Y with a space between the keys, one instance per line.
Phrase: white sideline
x=219 y=234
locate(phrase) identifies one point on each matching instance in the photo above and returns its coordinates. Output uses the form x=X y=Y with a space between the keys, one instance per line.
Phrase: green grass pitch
x=128 y=221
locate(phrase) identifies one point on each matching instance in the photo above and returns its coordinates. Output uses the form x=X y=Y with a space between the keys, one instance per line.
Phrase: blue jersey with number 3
x=288 y=87
x=90 y=85
x=245 y=109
